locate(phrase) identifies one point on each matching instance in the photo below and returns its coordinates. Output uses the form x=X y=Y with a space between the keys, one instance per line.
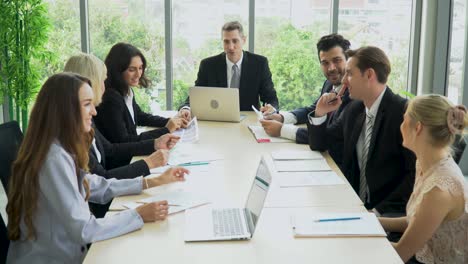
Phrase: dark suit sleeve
x=145 y=119
x=111 y=123
x=136 y=169
x=392 y=203
x=125 y=150
x=267 y=91
x=302 y=136
x=301 y=113
x=322 y=136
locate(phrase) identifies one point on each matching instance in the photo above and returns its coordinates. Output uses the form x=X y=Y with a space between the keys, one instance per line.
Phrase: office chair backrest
x=458 y=147
x=10 y=141
x=4 y=242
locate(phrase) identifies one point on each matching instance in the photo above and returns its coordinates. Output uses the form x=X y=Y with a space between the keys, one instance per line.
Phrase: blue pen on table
x=194 y=163
x=337 y=219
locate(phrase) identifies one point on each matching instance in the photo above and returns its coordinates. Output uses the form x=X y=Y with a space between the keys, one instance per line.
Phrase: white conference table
x=227 y=183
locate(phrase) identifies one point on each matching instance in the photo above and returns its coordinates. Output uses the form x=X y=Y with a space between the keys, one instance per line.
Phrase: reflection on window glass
x=385 y=24
x=197 y=35
x=457 y=51
x=140 y=23
x=64 y=36
x=286 y=32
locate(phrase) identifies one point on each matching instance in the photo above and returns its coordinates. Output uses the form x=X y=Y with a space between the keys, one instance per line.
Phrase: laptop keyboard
x=227 y=222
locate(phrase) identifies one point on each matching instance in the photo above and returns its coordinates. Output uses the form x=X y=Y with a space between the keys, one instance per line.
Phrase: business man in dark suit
x=332 y=57
x=235 y=68
x=376 y=164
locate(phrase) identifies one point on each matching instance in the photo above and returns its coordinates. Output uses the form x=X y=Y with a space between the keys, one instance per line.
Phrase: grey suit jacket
x=63 y=222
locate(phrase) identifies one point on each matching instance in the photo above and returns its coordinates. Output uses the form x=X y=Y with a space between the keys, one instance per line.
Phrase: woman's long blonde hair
x=56 y=115
x=91 y=67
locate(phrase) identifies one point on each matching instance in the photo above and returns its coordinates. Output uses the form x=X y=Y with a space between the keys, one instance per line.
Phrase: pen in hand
x=339 y=94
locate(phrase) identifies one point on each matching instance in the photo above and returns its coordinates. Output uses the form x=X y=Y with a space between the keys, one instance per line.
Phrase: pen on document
x=337 y=219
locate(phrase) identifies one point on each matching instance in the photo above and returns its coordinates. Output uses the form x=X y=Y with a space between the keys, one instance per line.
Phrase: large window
x=64 y=36
x=286 y=32
x=457 y=51
x=385 y=24
x=197 y=35
x=140 y=23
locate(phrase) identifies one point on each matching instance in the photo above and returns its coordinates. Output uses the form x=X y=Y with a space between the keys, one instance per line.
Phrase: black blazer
x=255 y=79
x=390 y=168
x=115 y=158
x=302 y=134
x=116 y=124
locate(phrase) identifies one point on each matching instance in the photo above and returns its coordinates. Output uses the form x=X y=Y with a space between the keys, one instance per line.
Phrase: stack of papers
x=302 y=165
x=262 y=137
x=189 y=134
x=296 y=155
x=178 y=201
x=337 y=225
x=310 y=178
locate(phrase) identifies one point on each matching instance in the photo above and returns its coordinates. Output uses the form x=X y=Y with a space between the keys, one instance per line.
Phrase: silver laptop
x=215 y=103
x=214 y=224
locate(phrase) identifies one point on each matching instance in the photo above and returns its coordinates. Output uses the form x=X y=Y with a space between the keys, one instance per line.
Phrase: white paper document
x=302 y=165
x=309 y=178
x=189 y=134
x=189 y=153
x=262 y=137
x=296 y=155
x=337 y=225
x=177 y=200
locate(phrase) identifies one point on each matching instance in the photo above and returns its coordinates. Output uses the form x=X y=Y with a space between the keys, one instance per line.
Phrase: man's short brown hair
x=233 y=25
x=372 y=57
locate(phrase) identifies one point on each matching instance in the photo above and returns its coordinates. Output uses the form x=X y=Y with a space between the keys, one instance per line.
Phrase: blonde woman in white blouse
x=435 y=229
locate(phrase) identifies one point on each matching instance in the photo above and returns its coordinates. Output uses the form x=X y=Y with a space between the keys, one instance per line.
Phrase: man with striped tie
x=375 y=163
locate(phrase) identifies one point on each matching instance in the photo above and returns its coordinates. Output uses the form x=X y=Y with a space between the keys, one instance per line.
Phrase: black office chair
x=4 y=242
x=10 y=141
x=458 y=147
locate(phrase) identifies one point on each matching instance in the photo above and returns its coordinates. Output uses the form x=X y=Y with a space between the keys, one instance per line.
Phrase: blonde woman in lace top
x=435 y=229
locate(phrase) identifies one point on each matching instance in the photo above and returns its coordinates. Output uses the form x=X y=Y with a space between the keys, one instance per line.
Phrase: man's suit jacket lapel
x=244 y=71
x=221 y=70
x=360 y=119
x=379 y=120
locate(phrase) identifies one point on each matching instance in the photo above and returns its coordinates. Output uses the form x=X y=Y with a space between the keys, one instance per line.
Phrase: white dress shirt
x=360 y=143
x=98 y=154
x=63 y=222
x=129 y=103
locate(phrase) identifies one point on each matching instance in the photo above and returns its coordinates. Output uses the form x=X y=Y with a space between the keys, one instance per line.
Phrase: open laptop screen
x=258 y=193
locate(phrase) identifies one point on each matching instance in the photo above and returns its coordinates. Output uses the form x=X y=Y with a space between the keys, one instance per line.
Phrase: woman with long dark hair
x=49 y=220
x=119 y=113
